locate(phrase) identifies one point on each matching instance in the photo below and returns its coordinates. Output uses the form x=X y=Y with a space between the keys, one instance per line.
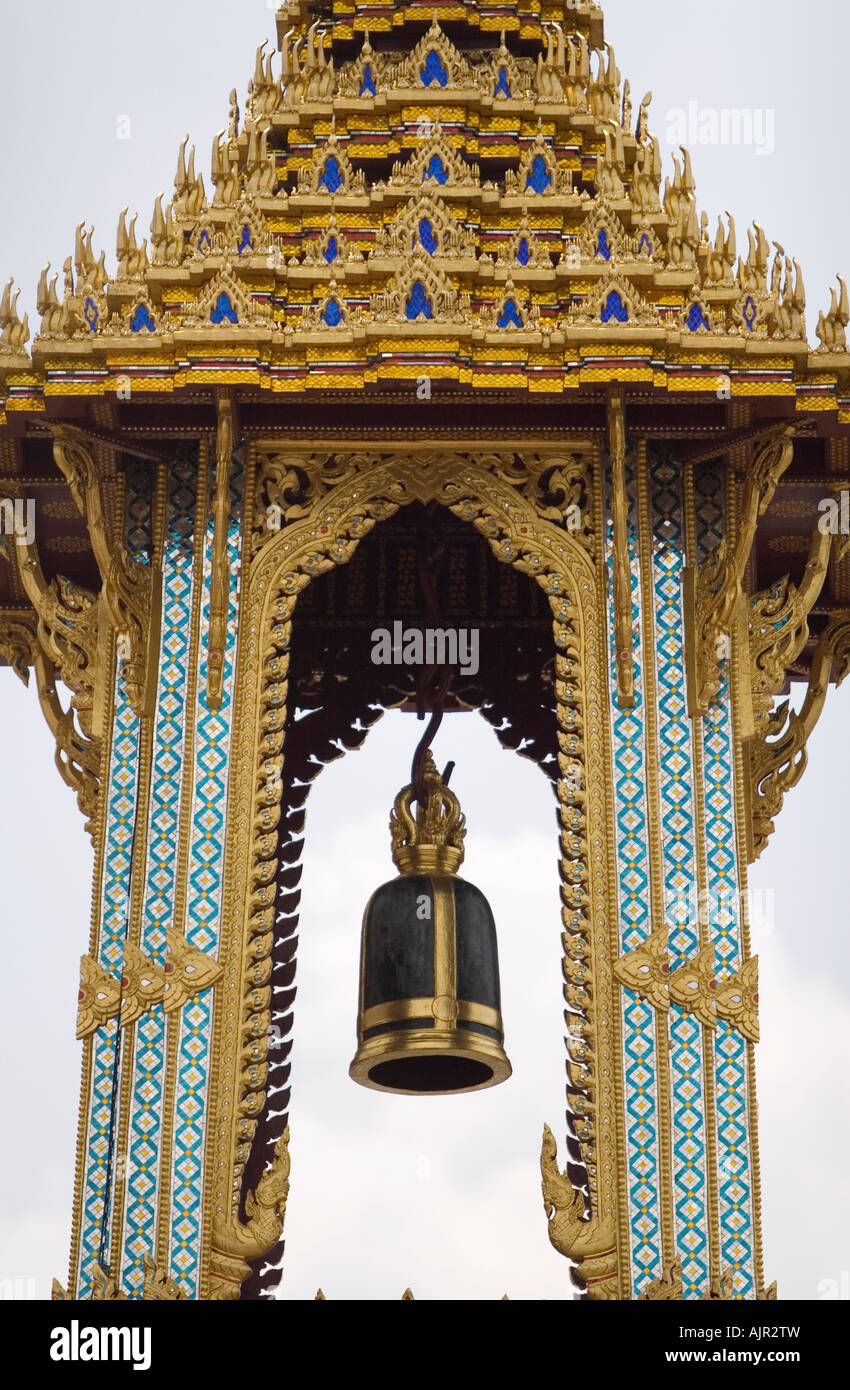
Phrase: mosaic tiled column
x=161 y=852
x=687 y=1108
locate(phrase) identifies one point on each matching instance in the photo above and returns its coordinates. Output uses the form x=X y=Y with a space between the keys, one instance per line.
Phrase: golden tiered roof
x=466 y=205
x=473 y=197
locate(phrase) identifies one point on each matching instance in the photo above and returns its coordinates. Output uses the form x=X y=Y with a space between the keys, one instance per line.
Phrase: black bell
x=430 y=1018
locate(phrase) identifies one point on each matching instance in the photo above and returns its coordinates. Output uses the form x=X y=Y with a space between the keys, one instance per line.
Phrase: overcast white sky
x=439 y=1194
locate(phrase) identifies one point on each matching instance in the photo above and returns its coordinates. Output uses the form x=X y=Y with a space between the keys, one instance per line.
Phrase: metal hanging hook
x=433 y=684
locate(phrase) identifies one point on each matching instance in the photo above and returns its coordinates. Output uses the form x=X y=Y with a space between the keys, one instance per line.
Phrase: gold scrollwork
x=234 y=1242
x=778 y=758
x=143 y=983
x=77 y=756
x=713 y=593
x=131 y=589
x=779 y=629
x=589 y=1240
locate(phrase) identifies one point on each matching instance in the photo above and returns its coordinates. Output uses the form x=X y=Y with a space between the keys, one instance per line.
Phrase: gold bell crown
x=433 y=841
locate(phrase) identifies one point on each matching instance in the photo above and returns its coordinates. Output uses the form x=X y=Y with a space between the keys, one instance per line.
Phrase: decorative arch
x=520 y=506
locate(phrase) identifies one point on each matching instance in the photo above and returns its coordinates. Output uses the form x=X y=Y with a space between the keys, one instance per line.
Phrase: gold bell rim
x=424 y=1043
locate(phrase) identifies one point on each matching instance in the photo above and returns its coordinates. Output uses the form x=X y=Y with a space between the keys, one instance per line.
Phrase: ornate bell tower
x=436 y=296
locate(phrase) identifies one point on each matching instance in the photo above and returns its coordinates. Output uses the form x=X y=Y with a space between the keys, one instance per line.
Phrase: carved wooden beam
x=623 y=626
x=132 y=591
x=713 y=592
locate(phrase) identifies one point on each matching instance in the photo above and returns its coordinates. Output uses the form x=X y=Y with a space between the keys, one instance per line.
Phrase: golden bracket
x=714 y=600
x=77 y=754
x=778 y=758
x=132 y=591
x=623 y=625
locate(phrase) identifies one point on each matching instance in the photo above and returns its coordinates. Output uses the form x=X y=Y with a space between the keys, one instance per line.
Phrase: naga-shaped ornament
x=590 y=1241
x=235 y=1242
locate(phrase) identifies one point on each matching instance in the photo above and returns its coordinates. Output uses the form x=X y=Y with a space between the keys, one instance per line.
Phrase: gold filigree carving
x=670 y=1287
x=432 y=840
x=188 y=971
x=403 y=235
x=219 y=564
x=131 y=590
x=623 y=616
x=587 y=1240
x=314 y=178
x=158 y=1287
x=185 y=973
x=522 y=182
x=714 y=598
x=693 y=987
x=645 y=970
x=737 y=999
x=142 y=984
x=77 y=756
x=234 y=1242
x=67 y=621
x=779 y=629
x=418 y=169
x=99 y=997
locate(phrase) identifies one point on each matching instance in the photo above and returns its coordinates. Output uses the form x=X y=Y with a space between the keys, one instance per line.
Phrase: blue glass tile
x=331 y=175
x=332 y=314
x=539 y=177
x=427 y=236
x=696 y=319
x=522 y=252
x=434 y=71
x=331 y=250
x=510 y=316
x=436 y=170
x=142 y=319
x=418 y=304
x=602 y=247
x=614 y=308
x=223 y=311
x=368 y=82
x=502 y=87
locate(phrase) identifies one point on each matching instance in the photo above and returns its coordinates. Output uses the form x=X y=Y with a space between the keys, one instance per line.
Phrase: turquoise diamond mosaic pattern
x=144 y=1137
x=114 y=889
x=730 y=1049
x=206 y=861
x=639 y=1044
x=675 y=763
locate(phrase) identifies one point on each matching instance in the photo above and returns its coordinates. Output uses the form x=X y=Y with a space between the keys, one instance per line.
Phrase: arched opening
x=425 y=1148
